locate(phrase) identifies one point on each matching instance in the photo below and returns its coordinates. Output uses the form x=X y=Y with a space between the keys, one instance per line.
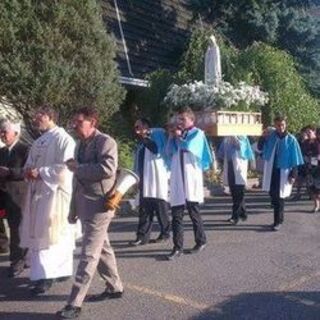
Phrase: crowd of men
x=47 y=189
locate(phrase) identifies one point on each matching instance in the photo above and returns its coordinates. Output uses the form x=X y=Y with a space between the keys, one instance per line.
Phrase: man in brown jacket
x=94 y=170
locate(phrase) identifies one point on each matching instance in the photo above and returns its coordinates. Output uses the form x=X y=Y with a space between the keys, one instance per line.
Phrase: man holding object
x=94 y=171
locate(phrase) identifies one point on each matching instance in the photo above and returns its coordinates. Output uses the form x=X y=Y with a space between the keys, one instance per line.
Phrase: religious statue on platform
x=212 y=74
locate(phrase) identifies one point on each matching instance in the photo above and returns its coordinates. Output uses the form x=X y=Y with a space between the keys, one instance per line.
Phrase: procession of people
x=61 y=181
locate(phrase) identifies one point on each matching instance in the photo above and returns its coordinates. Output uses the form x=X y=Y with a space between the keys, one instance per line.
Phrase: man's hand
x=4 y=172
x=72 y=165
x=72 y=218
x=32 y=174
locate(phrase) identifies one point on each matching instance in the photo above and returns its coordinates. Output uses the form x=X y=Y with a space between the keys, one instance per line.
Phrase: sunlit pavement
x=246 y=272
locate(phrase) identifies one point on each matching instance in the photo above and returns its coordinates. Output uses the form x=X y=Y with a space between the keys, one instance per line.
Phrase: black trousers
x=238 y=202
x=197 y=224
x=148 y=208
x=237 y=194
x=14 y=219
x=276 y=201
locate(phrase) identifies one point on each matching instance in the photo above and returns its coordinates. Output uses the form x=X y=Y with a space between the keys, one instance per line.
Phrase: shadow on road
x=266 y=306
x=27 y=316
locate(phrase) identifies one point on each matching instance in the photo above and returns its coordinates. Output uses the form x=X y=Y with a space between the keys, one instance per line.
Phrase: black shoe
x=62 y=279
x=105 y=295
x=244 y=218
x=138 y=242
x=42 y=286
x=233 y=221
x=198 y=248
x=175 y=253
x=69 y=312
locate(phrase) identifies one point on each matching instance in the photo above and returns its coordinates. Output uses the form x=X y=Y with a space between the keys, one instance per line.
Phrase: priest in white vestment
x=45 y=228
x=190 y=155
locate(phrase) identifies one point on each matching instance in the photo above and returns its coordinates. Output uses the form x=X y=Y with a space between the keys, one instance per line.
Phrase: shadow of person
x=26 y=316
x=265 y=306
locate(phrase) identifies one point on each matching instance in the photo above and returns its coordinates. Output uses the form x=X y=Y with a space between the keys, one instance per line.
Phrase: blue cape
x=289 y=154
x=229 y=149
x=158 y=135
x=196 y=143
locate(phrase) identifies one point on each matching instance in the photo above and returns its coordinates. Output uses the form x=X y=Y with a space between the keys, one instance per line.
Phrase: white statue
x=212 y=72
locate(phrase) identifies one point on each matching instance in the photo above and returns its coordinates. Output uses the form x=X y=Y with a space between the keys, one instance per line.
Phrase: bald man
x=12 y=158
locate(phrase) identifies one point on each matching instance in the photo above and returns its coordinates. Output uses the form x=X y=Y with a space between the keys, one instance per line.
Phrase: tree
x=192 y=62
x=276 y=72
x=287 y=24
x=259 y=64
x=57 y=52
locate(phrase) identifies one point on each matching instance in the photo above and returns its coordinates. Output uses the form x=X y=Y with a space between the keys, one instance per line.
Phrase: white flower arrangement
x=222 y=96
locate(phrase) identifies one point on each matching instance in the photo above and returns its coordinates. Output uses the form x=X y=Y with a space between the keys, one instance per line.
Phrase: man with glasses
x=45 y=228
x=94 y=169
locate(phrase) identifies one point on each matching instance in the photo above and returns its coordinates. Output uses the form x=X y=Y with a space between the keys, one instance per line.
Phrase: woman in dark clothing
x=302 y=170
x=314 y=168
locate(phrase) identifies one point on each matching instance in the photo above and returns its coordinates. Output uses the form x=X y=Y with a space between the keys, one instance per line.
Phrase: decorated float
x=221 y=108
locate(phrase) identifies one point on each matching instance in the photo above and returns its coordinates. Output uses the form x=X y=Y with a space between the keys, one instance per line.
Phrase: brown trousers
x=96 y=253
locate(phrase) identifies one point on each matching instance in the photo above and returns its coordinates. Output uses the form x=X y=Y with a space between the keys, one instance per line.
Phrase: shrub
x=57 y=52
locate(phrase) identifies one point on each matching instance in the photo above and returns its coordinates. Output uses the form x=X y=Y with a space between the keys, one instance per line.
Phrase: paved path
x=247 y=272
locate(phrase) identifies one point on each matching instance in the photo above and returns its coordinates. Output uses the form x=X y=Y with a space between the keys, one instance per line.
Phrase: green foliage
x=275 y=71
x=192 y=64
x=150 y=102
x=57 y=52
x=119 y=124
x=260 y=64
x=125 y=153
x=287 y=24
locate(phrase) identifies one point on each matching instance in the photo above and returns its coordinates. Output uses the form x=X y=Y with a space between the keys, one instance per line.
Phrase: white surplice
x=240 y=169
x=285 y=185
x=45 y=229
x=188 y=187
x=155 y=176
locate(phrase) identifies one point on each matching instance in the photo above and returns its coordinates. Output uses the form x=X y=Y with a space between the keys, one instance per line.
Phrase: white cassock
x=285 y=186
x=189 y=187
x=45 y=229
x=240 y=169
x=155 y=176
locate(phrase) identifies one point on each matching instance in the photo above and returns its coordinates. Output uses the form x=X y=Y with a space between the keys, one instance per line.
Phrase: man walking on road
x=282 y=156
x=191 y=155
x=236 y=152
x=151 y=167
x=12 y=159
x=94 y=171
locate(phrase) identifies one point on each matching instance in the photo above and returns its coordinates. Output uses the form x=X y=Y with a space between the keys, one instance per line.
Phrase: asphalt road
x=247 y=272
